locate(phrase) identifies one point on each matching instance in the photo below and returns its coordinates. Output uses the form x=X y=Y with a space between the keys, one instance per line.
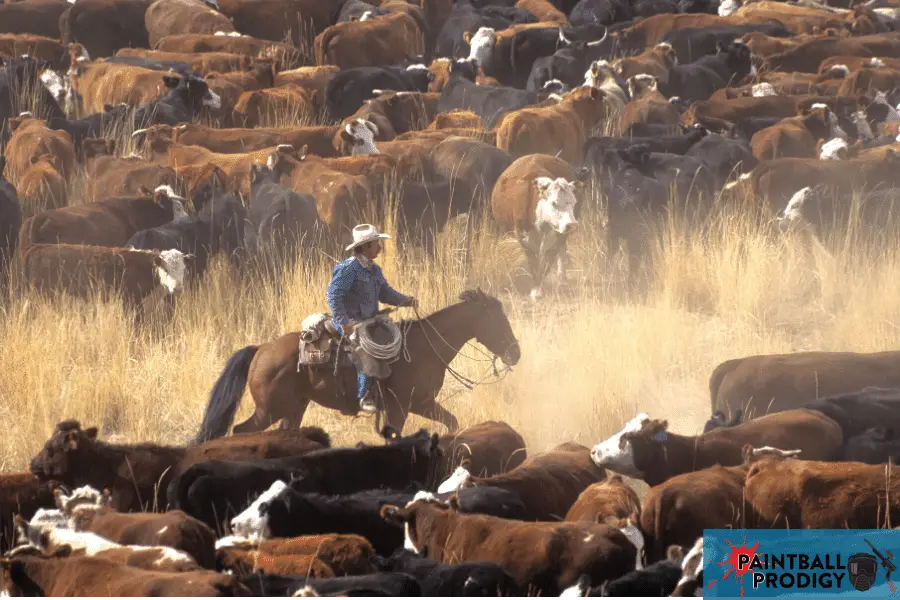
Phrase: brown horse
x=280 y=392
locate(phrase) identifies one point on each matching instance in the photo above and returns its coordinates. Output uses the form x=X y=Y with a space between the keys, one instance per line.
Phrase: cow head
x=834 y=149
x=67 y=455
x=556 y=204
x=253 y=522
x=617 y=452
x=207 y=186
x=156 y=139
x=164 y=197
x=283 y=163
x=47 y=160
x=465 y=68
x=82 y=496
x=170 y=269
x=360 y=134
x=599 y=72
x=94 y=147
x=261 y=174
x=193 y=91
x=738 y=59
x=421 y=521
x=639 y=85
x=691 y=571
x=482 y=46
x=821 y=122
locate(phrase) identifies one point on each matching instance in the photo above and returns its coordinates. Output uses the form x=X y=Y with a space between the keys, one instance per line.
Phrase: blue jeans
x=363 y=382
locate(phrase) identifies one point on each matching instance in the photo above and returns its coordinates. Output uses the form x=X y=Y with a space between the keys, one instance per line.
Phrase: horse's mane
x=475 y=295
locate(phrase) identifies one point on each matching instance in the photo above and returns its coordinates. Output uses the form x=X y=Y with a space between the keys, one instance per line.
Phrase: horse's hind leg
x=258 y=421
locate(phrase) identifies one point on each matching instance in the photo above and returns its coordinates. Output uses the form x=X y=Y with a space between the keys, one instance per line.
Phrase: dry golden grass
x=591 y=358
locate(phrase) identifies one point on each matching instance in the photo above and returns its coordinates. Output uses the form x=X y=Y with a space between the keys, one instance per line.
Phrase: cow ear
x=304 y=150
x=189 y=257
x=747 y=453
x=346 y=136
x=372 y=127
x=394 y=515
x=453 y=501
x=467 y=37
x=91 y=432
x=171 y=82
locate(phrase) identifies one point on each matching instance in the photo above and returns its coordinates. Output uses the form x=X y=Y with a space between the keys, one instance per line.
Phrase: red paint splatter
x=734 y=561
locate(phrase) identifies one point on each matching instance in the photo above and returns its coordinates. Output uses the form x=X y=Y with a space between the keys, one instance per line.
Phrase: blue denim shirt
x=354 y=292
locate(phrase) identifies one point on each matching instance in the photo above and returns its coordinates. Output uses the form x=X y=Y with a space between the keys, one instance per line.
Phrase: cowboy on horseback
x=357 y=285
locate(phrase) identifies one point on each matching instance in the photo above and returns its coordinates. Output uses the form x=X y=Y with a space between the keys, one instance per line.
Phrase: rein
x=467 y=382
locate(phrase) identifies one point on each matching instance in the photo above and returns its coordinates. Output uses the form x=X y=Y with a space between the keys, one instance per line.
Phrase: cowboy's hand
x=348 y=329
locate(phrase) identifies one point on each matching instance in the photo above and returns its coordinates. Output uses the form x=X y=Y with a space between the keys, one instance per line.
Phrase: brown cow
x=799 y=19
x=869 y=80
x=547 y=556
x=411 y=155
x=536 y=197
x=170 y=17
x=36 y=46
x=202 y=62
x=30 y=139
x=393 y=113
x=385 y=40
x=138 y=474
x=558 y=130
x=808 y=494
x=340 y=196
x=456 y=119
x=36 y=17
x=845 y=65
x=548 y=483
x=173 y=529
x=545 y=11
x=64 y=575
x=230 y=86
x=284 y=55
x=109 y=222
x=315 y=78
x=139 y=275
x=731 y=110
x=98 y=84
x=657 y=60
x=344 y=554
x=42 y=187
x=651 y=30
x=49 y=539
x=807 y=57
x=610 y=498
x=490 y=448
x=108 y=175
x=777 y=382
x=644 y=449
x=21 y=494
x=796 y=136
x=647 y=105
x=246 y=561
x=287 y=104
x=318 y=139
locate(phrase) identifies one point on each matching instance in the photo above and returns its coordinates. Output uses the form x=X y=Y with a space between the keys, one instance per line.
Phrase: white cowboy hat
x=363 y=234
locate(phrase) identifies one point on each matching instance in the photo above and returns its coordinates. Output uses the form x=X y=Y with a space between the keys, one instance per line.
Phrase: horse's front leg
x=437 y=413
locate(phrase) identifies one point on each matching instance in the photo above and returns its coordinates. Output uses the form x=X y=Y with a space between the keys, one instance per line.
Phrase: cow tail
x=28 y=234
x=512 y=54
x=715 y=380
x=226 y=394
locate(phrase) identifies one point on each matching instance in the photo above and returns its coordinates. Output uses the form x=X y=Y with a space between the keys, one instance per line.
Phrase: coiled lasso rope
x=381 y=351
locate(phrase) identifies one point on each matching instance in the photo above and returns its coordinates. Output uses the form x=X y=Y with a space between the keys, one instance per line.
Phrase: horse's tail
x=226 y=394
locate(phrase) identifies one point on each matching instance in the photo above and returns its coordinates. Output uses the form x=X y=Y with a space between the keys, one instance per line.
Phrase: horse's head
x=493 y=330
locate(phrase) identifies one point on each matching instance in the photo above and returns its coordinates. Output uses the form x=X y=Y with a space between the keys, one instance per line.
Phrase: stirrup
x=368 y=406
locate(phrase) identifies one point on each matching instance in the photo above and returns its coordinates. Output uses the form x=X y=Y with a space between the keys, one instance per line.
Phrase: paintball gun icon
x=887 y=562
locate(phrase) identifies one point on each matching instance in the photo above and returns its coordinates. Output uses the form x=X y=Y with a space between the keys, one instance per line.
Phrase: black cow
x=698 y=80
x=481 y=579
x=424 y=209
x=525 y=48
x=210 y=490
x=725 y=157
x=293 y=513
x=653 y=581
x=91 y=126
x=692 y=43
x=186 y=97
x=466 y=18
x=874 y=446
x=20 y=76
x=488 y=102
x=379 y=584
x=570 y=64
x=218 y=227
x=604 y=12
x=279 y=220
x=350 y=88
x=748 y=126
x=10 y=221
x=353 y=10
x=676 y=144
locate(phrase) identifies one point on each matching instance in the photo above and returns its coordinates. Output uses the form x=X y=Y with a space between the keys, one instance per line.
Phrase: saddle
x=319 y=339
